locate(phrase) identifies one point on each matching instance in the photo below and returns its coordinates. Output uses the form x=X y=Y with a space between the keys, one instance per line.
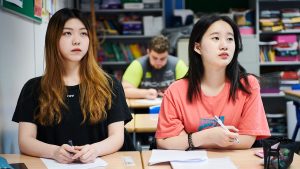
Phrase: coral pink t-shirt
x=246 y=113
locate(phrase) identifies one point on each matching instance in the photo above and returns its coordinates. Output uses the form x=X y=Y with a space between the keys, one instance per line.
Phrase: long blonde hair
x=95 y=85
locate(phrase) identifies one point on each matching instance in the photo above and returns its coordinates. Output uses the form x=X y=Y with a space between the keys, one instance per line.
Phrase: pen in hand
x=70 y=143
x=222 y=125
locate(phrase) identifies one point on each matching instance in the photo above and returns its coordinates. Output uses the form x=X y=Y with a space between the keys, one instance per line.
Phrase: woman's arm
x=215 y=137
x=31 y=146
x=111 y=144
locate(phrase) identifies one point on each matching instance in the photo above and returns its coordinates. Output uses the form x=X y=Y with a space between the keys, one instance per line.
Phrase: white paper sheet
x=211 y=163
x=52 y=164
x=159 y=156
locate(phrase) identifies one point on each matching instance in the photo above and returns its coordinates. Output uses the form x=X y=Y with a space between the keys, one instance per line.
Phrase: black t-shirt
x=70 y=128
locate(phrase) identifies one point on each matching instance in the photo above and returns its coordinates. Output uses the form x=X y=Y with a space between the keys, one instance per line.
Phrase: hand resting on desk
x=64 y=154
x=86 y=153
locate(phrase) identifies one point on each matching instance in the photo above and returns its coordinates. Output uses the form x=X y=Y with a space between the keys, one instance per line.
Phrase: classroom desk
x=143 y=103
x=130 y=125
x=115 y=160
x=294 y=95
x=145 y=123
x=243 y=159
x=128 y=103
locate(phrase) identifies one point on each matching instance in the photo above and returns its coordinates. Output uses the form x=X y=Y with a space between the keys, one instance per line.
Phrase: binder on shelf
x=148 y=25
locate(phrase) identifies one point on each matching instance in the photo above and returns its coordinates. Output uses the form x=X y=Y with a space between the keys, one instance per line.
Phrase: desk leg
x=297 y=120
x=134 y=139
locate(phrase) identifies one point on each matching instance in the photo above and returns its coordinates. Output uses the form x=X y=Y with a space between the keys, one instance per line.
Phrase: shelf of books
x=279 y=31
x=281 y=63
x=125 y=10
x=117 y=37
x=280 y=94
x=124 y=28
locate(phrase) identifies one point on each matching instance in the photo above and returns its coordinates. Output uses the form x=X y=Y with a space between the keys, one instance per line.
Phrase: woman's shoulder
x=179 y=85
x=33 y=82
x=181 y=82
x=32 y=86
x=115 y=84
x=253 y=81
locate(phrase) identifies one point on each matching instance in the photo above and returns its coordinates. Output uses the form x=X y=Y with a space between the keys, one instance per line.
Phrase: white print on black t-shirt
x=70 y=95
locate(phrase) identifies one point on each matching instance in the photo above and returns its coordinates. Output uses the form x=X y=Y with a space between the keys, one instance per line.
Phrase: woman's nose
x=75 y=42
x=223 y=45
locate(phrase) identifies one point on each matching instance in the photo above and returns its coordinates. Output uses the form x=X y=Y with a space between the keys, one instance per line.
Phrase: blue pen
x=225 y=128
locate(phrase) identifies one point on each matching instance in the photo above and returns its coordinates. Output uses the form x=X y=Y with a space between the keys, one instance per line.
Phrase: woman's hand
x=223 y=138
x=64 y=154
x=86 y=153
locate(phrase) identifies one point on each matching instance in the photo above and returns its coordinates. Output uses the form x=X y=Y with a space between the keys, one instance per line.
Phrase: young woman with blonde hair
x=74 y=99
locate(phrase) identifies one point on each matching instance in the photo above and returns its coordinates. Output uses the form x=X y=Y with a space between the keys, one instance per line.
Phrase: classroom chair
x=154 y=109
x=298 y=120
x=128 y=144
x=9 y=139
x=297 y=105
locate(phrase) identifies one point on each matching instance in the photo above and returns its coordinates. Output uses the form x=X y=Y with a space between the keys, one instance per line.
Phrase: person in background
x=215 y=85
x=148 y=76
x=74 y=102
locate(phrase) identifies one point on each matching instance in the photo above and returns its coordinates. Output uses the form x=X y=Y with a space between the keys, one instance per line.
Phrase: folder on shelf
x=148 y=25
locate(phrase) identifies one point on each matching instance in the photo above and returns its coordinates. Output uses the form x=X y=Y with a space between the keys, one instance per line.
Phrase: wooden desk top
x=145 y=123
x=115 y=160
x=243 y=159
x=130 y=125
x=128 y=103
x=143 y=103
x=292 y=94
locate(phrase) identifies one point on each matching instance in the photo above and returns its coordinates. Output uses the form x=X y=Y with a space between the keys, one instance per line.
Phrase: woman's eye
x=230 y=39
x=67 y=33
x=215 y=38
x=84 y=33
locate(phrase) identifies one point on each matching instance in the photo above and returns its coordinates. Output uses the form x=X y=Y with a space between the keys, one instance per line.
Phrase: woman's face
x=74 y=41
x=217 y=45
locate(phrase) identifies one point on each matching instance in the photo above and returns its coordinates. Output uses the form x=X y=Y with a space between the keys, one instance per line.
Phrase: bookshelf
x=279 y=55
x=123 y=34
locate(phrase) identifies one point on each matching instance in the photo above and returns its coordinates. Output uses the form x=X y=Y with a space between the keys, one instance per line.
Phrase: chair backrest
x=154 y=109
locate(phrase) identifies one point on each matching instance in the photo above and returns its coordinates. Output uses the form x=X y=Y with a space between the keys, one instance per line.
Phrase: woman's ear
x=197 y=48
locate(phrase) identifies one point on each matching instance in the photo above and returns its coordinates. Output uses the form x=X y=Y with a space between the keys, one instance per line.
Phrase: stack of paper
x=159 y=156
x=52 y=164
x=189 y=159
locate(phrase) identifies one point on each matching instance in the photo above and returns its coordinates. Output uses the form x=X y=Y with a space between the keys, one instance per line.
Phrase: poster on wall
x=23 y=8
x=38 y=6
x=19 y=3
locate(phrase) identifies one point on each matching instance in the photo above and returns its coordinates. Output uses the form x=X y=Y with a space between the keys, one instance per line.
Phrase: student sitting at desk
x=215 y=85
x=74 y=99
x=148 y=76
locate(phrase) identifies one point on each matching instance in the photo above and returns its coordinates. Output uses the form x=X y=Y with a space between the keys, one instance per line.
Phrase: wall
x=21 y=58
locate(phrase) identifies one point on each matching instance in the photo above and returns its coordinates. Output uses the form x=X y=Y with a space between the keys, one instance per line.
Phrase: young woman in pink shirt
x=215 y=85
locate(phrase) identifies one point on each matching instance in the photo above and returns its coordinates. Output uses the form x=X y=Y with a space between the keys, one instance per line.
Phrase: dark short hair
x=159 y=44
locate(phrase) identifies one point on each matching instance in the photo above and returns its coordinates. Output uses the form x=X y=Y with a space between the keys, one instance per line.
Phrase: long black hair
x=234 y=71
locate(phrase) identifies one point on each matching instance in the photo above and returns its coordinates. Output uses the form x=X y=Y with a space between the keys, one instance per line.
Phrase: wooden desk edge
x=295 y=93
